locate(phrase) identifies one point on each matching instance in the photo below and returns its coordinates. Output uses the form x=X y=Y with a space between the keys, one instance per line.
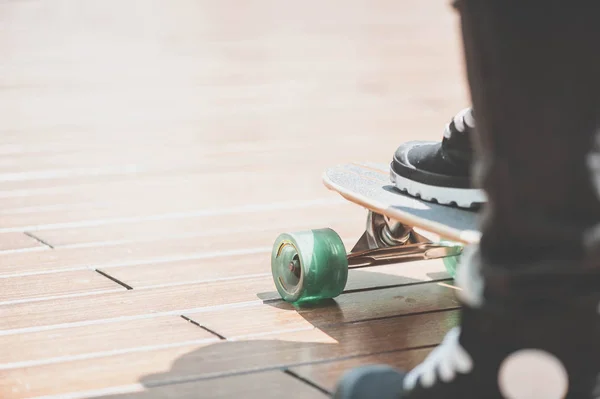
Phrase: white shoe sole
x=466 y=198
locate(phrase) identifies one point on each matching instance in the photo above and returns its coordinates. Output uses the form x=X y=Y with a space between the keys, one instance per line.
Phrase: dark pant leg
x=534 y=71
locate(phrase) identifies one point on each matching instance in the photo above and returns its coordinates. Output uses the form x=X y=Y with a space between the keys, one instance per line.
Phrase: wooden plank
x=193 y=270
x=192 y=258
x=264 y=385
x=130 y=185
x=174 y=157
x=67 y=284
x=134 y=303
x=138 y=200
x=205 y=224
x=224 y=358
x=239 y=266
x=319 y=40
x=87 y=282
x=234 y=323
x=312 y=104
x=193 y=158
x=86 y=342
x=137 y=253
x=203 y=170
x=155 y=206
x=18 y=241
x=326 y=375
x=351 y=307
x=161 y=300
x=70 y=187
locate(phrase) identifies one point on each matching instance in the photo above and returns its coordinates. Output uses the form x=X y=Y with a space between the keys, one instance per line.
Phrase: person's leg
x=535 y=79
x=531 y=290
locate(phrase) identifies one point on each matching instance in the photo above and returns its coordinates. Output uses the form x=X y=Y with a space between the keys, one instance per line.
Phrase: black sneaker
x=523 y=349
x=440 y=171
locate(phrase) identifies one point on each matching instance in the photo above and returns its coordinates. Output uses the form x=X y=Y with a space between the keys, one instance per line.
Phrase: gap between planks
x=199 y=296
x=213 y=360
x=232 y=210
x=81 y=342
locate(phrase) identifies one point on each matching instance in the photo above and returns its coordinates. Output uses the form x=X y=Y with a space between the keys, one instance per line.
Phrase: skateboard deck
x=369 y=185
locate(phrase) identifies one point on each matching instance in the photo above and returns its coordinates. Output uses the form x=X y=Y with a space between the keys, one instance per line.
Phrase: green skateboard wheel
x=451 y=263
x=309 y=265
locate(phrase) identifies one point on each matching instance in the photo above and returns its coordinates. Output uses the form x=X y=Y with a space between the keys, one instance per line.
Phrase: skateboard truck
x=388 y=241
x=313 y=264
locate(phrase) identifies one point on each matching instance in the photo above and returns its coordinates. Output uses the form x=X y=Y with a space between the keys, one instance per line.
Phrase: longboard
x=313 y=264
x=369 y=185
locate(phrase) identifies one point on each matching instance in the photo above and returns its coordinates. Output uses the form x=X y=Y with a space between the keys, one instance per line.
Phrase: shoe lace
x=448 y=359
x=462 y=120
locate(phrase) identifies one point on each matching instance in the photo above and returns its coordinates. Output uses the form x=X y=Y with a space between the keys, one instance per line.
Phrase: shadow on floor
x=331 y=329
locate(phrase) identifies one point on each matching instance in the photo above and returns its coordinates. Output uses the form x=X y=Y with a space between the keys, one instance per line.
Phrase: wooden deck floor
x=150 y=153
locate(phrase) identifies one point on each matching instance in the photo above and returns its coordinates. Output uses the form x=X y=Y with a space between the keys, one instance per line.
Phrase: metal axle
x=387 y=241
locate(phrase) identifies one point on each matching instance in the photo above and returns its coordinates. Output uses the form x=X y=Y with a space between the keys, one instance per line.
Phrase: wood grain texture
x=225 y=358
x=240 y=266
x=134 y=303
x=68 y=344
x=19 y=241
x=226 y=157
x=326 y=375
x=142 y=173
x=347 y=308
x=263 y=385
x=163 y=300
x=169 y=143
x=188 y=195
x=87 y=282
x=232 y=323
x=203 y=224
x=74 y=283
x=220 y=244
x=136 y=205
